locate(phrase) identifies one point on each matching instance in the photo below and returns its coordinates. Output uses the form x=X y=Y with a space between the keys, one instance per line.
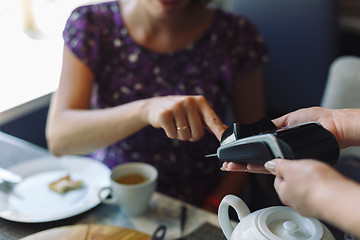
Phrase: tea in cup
x=131 y=187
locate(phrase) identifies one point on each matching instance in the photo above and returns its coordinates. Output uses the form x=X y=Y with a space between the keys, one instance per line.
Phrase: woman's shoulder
x=89 y=30
x=101 y=8
x=104 y=12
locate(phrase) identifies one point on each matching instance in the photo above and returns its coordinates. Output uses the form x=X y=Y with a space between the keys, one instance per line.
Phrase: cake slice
x=65 y=184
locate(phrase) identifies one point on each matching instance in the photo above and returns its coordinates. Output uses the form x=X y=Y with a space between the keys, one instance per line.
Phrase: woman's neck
x=165 y=32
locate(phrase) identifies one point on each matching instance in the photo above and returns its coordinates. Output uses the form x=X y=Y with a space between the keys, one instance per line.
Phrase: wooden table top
x=87 y=232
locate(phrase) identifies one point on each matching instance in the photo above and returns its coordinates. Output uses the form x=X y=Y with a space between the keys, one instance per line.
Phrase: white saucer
x=32 y=201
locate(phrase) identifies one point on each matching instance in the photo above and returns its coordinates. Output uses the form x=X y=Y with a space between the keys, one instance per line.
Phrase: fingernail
x=270 y=166
x=224 y=166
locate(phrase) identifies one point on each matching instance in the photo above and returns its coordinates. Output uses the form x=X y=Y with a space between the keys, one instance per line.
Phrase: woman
x=131 y=67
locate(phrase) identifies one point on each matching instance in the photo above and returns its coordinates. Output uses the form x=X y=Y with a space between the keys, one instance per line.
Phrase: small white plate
x=32 y=201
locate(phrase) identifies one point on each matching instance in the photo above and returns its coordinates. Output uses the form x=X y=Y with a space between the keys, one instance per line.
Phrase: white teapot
x=273 y=223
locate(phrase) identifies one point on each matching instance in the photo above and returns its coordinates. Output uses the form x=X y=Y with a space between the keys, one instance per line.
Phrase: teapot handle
x=223 y=213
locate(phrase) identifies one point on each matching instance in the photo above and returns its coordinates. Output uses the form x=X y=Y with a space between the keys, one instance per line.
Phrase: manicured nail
x=270 y=166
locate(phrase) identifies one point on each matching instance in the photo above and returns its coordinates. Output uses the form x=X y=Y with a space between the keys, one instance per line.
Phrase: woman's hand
x=315 y=189
x=183 y=117
x=243 y=167
x=342 y=123
x=305 y=185
x=330 y=119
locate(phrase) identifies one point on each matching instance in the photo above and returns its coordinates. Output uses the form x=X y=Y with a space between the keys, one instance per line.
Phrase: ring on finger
x=182 y=128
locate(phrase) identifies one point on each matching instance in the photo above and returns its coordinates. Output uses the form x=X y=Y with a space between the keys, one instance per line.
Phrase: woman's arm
x=247 y=98
x=73 y=128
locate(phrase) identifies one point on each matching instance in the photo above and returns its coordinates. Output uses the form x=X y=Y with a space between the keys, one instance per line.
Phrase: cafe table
x=162 y=209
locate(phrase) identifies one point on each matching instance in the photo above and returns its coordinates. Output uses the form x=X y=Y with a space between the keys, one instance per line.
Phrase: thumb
x=274 y=166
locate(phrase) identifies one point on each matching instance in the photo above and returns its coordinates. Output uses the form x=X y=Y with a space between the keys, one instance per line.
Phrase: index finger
x=210 y=119
x=214 y=124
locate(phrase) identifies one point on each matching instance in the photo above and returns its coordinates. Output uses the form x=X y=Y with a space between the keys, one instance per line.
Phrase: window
x=31 y=48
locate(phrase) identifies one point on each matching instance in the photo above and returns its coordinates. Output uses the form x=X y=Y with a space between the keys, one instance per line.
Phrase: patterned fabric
x=125 y=71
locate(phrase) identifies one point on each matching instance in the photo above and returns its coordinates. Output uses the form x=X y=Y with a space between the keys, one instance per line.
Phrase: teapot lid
x=280 y=222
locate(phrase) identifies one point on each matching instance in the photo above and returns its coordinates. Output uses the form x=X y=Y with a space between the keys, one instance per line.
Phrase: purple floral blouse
x=126 y=71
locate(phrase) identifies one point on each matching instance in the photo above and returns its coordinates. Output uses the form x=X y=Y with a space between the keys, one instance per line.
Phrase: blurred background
x=304 y=37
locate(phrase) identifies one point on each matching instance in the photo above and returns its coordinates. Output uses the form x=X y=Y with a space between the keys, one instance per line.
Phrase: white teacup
x=132 y=186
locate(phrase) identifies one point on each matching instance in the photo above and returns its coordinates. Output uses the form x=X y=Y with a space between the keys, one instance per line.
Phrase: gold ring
x=182 y=128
